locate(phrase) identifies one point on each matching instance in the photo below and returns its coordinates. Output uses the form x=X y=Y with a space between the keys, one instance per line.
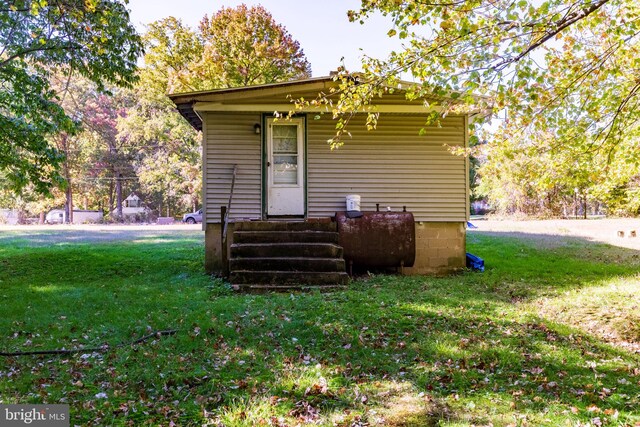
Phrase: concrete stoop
x=278 y=255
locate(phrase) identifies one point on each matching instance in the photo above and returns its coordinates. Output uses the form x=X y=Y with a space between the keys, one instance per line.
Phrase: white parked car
x=192 y=218
x=55 y=216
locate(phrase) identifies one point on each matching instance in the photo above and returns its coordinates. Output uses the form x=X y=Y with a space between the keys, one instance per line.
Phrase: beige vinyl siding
x=393 y=165
x=230 y=139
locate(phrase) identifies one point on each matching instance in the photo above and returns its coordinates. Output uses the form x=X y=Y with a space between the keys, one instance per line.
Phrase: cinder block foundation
x=213 y=246
x=440 y=248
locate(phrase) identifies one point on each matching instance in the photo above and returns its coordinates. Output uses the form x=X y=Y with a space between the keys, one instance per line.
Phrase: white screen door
x=285 y=167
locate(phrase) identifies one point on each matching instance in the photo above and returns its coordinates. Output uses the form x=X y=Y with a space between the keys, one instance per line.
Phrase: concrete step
x=286 y=226
x=283 y=250
x=307 y=236
x=287 y=264
x=286 y=279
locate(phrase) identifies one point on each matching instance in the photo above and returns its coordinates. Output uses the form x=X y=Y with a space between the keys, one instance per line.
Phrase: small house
x=276 y=175
x=132 y=207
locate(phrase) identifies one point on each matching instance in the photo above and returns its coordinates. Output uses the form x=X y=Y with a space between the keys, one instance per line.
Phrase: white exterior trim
x=389 y=108
x=286 y=199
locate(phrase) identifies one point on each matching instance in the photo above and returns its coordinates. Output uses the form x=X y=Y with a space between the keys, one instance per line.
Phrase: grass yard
x=546 y=336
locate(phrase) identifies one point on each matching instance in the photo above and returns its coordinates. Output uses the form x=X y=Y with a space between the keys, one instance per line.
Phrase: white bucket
x=353 y=202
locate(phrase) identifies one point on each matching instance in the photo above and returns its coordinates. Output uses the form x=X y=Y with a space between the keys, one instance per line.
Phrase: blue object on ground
x=474 y=262
x=469 y=225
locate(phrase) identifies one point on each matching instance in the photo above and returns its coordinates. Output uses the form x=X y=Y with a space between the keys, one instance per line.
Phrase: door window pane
x=285 y=169
x=285 y=139
x=285 y=154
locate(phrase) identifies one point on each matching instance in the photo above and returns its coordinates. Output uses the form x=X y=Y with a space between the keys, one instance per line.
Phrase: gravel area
x=38 y=235
x=556 y=231
x=551 y=232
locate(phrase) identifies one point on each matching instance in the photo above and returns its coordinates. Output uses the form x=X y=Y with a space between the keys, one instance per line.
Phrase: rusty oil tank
x=378 y=239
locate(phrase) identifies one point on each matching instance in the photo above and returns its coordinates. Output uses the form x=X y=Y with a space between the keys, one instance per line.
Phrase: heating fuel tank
x=378 y=239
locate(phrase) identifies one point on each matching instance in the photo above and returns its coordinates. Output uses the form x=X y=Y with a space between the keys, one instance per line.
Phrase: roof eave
x=190 y=103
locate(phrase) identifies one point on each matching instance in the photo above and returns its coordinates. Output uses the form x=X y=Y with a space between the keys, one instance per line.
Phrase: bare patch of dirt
x=400 y=405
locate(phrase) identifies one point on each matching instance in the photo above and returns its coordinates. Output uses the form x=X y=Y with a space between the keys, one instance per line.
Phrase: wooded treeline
x=542 y=180
x=562 y=74
x=124 y=138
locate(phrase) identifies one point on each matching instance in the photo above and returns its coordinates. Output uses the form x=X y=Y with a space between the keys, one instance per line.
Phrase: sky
x=321 y=26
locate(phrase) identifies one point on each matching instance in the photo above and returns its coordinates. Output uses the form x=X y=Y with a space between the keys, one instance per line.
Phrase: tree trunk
x=584 y=206
x=119 y=196
x=22 y=216
x=111 y=198
x=168 y=196
x=68 y=208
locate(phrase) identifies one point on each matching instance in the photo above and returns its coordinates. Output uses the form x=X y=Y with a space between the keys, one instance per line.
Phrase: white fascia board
x=285 y=108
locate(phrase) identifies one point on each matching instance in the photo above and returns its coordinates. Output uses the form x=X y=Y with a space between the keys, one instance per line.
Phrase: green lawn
x=544 y=337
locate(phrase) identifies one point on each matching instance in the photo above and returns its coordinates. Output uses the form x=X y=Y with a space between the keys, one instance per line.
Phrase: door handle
x=268 y=164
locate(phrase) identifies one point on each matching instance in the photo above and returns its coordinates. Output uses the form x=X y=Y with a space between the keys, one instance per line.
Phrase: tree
x=172 y=54
x=71 y=91
x=564 y=71
x=168 y=163
x=520 y=177
x=245 y=46
x=95 y=154
x=551 y=63
x=93 y=38
x=115 y=154
x=234 y=47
